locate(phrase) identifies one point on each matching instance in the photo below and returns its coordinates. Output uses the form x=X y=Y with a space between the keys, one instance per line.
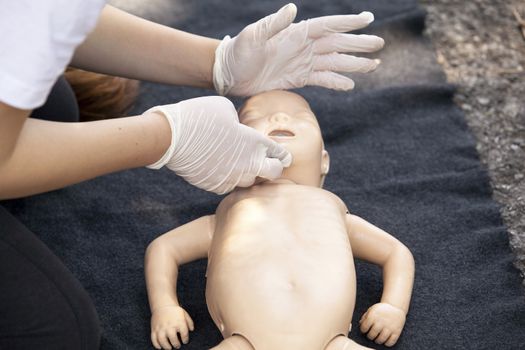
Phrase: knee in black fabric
x=42 y=305
x=61 y=104
x=52 y=325
x=88 y=322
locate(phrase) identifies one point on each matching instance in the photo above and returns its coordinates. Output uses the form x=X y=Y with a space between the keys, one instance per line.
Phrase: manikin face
x=286 y=118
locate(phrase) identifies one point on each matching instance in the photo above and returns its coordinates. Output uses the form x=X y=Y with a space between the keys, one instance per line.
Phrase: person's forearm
x=398 y=278
x=11 y=123
x=161 y=271
x=51 y=155
x=129 y=46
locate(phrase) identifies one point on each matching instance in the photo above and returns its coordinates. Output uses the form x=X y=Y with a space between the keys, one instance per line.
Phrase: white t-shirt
x=37 y=41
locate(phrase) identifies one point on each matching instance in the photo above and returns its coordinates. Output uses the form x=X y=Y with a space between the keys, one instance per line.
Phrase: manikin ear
x=325 y=162
x=325 y=165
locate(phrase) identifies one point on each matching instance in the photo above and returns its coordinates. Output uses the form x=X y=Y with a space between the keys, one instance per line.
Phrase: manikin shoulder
x=338 y=201
x=287 y=191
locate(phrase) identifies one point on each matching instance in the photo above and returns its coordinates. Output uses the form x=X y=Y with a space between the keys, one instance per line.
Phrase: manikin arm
x=163 y=258
x=384 y=321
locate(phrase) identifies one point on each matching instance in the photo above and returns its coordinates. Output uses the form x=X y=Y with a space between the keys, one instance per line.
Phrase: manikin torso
x=280 y=269
x=280 y=273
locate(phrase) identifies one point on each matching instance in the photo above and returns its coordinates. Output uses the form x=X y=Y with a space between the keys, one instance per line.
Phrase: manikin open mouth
x=281 y=133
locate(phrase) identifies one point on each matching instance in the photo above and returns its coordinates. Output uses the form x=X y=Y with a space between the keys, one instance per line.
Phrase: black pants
x=42 y=305
x=61 y=104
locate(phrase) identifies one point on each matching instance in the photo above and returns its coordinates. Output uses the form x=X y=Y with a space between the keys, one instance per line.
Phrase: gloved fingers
x=271 y=169
x=339 y=42
x=336 y=62
x=273 y=149
x=320 y=26
x=276 y=151
x=247 y=180
x=330 y=80
x=270 y=25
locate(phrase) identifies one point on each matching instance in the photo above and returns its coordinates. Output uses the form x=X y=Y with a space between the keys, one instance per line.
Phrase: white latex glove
x=273 y=53
x=213 y=151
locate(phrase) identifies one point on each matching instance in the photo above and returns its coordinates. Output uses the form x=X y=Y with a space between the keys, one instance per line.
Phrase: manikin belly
x=282 y=294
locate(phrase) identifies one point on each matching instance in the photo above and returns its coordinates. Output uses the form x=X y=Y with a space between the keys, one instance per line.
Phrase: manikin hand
x=213 y=151
x=383 y=323
x=273 y=53
x=167 y=323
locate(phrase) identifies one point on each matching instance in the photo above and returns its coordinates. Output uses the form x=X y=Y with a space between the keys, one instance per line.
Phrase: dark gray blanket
x=402 y=158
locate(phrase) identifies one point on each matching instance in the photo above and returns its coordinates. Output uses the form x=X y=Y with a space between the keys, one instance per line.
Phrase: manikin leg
x=235 y=342
x=344 y=343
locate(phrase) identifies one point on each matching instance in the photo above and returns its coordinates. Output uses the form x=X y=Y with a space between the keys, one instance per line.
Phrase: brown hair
x=101 y=96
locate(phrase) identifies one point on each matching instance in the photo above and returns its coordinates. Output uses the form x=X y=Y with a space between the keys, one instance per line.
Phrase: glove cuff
x=171 y=149
x=219 y=81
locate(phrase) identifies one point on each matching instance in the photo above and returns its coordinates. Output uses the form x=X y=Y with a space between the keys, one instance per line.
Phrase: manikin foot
x=344 y=343
x=235 y=342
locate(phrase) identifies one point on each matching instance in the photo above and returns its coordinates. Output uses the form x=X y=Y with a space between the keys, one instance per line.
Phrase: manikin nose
x=279 y=117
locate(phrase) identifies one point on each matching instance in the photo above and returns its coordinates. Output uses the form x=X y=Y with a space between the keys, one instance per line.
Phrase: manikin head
x=286 y=118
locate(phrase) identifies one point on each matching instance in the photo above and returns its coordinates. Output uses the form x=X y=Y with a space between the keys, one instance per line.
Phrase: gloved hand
x=275 y=54
x=213 y=151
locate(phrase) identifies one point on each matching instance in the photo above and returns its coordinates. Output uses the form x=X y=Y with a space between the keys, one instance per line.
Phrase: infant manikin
x=281 y=254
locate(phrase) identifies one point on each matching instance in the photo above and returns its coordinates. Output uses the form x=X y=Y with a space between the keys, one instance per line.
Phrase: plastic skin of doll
x=281 y=254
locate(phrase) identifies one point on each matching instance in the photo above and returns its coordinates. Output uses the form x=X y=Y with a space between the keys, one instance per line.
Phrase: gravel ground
x=481 y=47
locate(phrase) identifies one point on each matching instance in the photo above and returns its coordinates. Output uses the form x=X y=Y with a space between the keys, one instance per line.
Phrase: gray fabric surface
x=402 y=158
